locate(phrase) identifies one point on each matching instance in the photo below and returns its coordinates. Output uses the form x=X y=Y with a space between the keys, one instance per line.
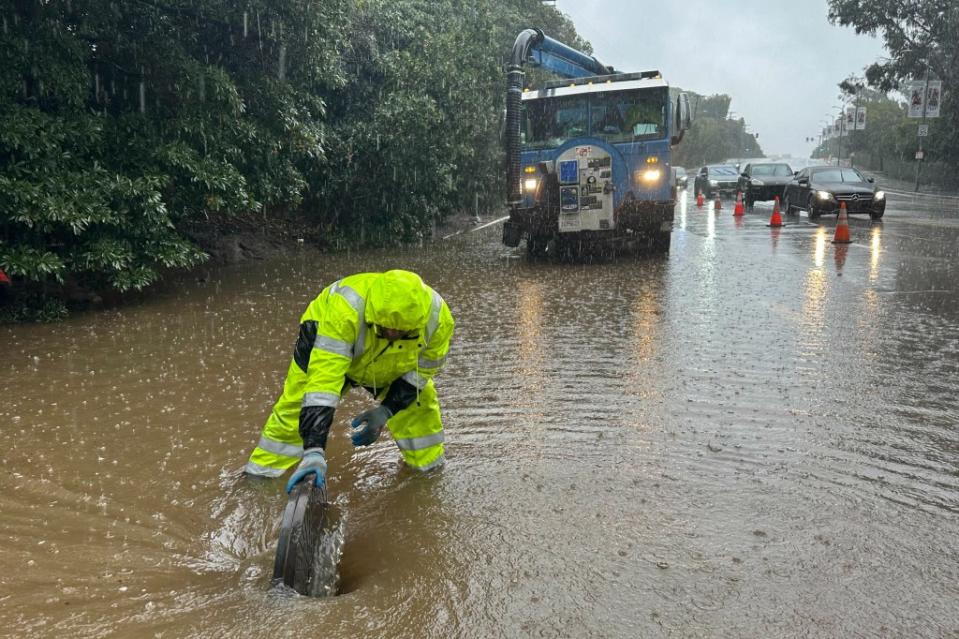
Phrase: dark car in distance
x=717 y=178
x=821 y=189
x=761 y=181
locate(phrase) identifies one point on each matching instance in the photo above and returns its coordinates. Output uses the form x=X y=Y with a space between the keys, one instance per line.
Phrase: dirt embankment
x=254 y=236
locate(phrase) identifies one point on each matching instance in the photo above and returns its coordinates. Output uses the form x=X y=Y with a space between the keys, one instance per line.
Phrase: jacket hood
x=398 y=299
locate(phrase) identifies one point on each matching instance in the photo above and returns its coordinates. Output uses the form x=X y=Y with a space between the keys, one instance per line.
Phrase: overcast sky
x=780 y=60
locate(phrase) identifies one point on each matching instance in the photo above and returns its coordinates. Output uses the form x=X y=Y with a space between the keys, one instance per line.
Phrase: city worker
x=388 y=332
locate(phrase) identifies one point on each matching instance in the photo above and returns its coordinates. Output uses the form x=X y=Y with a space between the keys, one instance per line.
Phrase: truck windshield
x=624 y=116
x=614 y=116
x=549 y=123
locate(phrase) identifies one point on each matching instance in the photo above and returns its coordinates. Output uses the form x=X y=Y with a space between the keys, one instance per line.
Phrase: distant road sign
x=923 y=130
x=920 y=155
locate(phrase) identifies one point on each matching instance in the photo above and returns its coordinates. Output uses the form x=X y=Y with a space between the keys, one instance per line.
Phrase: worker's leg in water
x=418 y=431
x=280 y=445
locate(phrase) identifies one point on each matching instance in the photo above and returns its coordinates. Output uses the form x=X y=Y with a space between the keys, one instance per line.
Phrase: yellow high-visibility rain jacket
x=340 y=345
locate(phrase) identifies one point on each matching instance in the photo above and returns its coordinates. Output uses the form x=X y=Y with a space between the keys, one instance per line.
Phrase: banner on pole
x=924 y=100
x=933 y=98
x=861 y=119
x=917 y=102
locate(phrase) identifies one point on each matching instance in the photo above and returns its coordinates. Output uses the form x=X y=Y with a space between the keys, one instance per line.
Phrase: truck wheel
x=536 y=245
x=512 y=234
x=661 y=241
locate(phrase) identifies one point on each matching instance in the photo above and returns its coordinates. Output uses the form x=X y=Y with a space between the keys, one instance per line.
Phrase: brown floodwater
x=755 y=436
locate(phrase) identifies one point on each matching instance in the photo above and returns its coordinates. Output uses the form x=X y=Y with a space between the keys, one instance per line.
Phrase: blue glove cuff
x=313 y=463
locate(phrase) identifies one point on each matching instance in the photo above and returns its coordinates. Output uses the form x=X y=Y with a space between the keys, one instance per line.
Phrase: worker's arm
x=330 y=356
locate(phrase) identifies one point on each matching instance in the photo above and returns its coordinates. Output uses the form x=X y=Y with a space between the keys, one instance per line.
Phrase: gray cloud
x=779 y=60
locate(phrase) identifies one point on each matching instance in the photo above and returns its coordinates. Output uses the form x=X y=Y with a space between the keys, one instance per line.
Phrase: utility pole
x=855 y=123
x=842 y=127
x=919 y=158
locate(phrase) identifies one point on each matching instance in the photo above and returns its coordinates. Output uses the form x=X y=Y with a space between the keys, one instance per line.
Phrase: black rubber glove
x=315 y=424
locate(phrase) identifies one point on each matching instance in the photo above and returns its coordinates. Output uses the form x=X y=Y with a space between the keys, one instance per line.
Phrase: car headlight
x=713 y=183
x=757 y=182
x=529 y=185
x=880 y=195
x=824 y=195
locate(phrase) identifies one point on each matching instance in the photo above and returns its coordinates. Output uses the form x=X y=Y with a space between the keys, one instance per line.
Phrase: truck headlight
x=713 y=183
x=880 y=195
x=529 y=185
x=824 y=195
x=650 y=176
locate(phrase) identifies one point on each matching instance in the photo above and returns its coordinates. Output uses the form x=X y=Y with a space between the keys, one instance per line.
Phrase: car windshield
x=680 y=171
x=723 y=170
x=837 y=175
x=771 y=170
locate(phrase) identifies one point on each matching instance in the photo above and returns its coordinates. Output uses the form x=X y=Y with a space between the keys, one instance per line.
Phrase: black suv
x=717 y=178
x=761 y=181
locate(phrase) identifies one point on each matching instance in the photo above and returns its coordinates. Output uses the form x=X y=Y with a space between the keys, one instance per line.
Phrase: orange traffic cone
x=700 y=200
x=776 y=219
x=842 y=227
x=739 y=210
x=718 y=204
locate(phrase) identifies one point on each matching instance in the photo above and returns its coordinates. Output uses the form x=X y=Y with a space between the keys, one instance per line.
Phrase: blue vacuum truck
x=588 y=156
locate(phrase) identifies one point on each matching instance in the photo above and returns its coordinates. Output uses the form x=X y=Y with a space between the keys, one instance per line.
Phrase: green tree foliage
x=122 y=120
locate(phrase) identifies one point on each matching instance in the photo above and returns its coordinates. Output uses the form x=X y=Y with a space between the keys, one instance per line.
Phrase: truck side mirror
x=685 y=113
x=681 y=118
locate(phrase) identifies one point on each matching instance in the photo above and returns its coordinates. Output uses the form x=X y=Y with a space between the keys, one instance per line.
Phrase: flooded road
x=755 y=436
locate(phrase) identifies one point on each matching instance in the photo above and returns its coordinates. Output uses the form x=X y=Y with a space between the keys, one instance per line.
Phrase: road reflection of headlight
x=824 y=195
x=880 y=195
x=529 y=185
x=820 y=246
